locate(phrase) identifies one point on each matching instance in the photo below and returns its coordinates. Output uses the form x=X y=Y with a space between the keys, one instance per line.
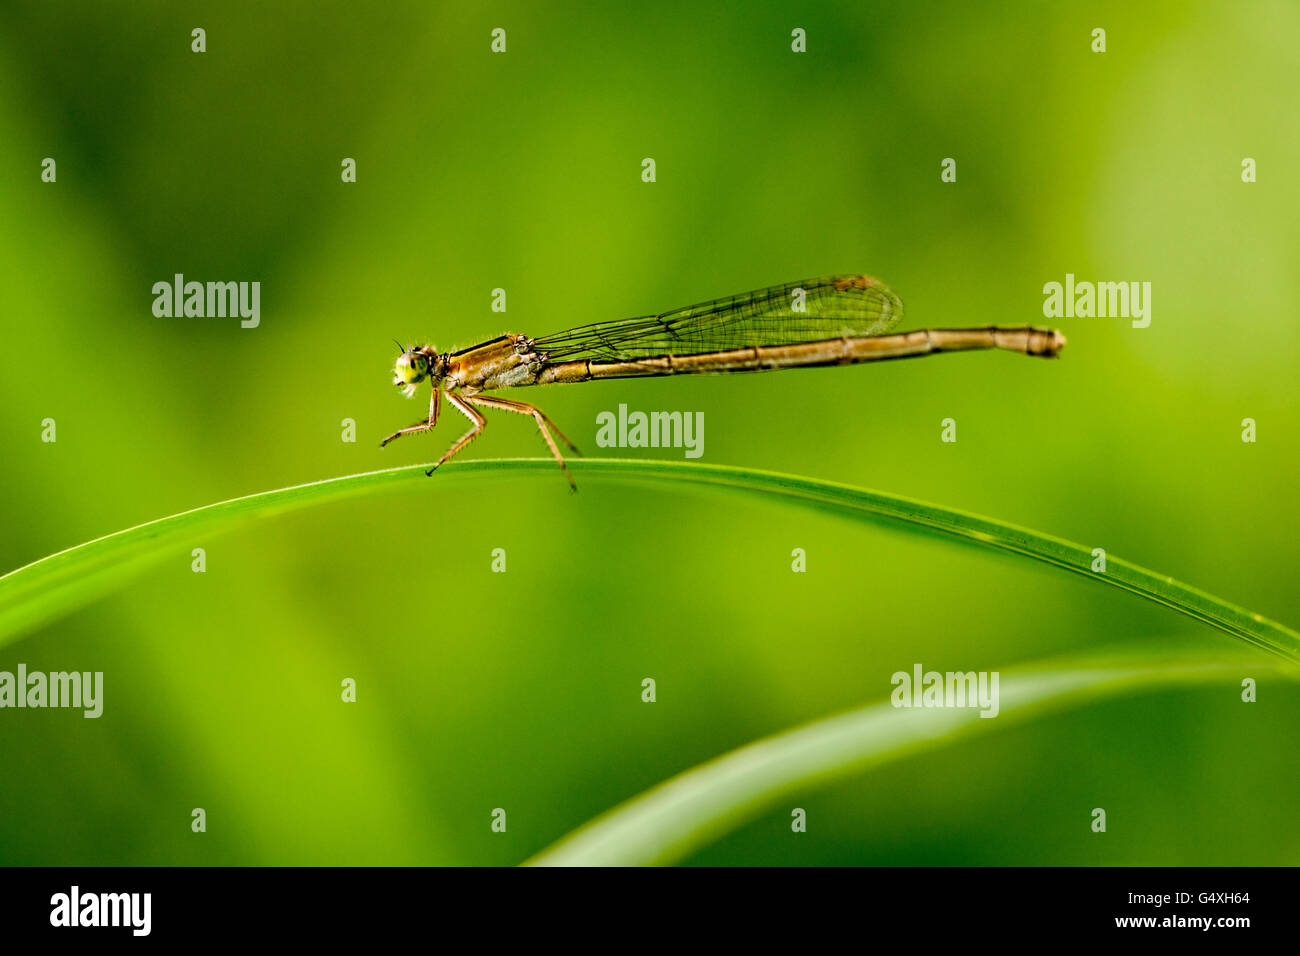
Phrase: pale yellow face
x=410 y=370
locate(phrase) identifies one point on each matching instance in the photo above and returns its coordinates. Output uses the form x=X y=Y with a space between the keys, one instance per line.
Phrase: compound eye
x=412 y=367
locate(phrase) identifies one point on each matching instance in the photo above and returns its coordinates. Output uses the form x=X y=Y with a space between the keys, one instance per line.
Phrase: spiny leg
x=472 y=414
x=435 y=405
x=551 y=425
x=522 y=408
x=423 y=426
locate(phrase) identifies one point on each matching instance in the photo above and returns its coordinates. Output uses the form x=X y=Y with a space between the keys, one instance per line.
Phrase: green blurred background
x=522 y=171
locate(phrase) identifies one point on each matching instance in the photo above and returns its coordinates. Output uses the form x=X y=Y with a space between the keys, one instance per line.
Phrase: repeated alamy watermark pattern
x=74 y=689
x=218 y=300
x=624 y=429
x=923 y=688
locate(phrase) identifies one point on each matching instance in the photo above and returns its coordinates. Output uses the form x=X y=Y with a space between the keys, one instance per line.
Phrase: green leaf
x=677 y=817
x=53 y=586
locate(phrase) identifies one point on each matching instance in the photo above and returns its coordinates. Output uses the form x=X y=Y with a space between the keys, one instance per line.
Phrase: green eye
x=411 y=368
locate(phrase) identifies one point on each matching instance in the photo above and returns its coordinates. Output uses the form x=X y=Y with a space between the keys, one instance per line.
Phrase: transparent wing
x=807 y=311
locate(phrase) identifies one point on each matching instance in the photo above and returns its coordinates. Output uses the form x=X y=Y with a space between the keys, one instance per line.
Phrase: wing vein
x=808 y=311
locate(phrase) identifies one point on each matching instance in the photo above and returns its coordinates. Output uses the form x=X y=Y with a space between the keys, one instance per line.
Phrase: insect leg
x=423 y=426
x=522 y=408
x=435 y=404
x=473 y=415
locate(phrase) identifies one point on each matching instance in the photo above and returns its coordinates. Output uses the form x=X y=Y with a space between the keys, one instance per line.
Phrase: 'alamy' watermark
x=1103 y=300
x=76 y=689
x=200 y=300
x=76 y=908
x=651 y=430
x=951 y=689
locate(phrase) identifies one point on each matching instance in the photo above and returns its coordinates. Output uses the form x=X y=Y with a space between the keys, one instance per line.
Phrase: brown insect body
x=836 y=320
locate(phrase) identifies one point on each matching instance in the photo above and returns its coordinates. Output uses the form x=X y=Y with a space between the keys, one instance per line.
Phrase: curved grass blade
x=697 y=807
x=46 y=589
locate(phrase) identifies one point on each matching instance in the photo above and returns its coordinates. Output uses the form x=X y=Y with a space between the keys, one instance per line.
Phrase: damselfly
x=836 y=320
